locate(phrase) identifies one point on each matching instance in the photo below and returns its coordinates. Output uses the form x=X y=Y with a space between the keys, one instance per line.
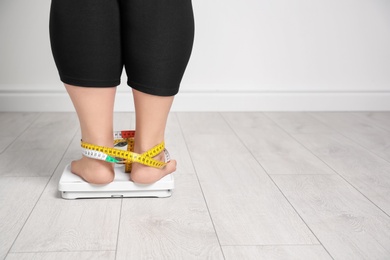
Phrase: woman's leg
x=157 y=39
x=151 y=119
x=94 y=107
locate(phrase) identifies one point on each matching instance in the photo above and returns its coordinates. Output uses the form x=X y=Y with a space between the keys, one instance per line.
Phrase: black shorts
x=92 y=40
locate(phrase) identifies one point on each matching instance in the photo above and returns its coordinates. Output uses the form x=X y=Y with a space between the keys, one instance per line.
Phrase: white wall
x=248 y=55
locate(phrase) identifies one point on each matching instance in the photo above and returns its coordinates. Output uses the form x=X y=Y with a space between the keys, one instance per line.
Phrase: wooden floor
x=285 y=185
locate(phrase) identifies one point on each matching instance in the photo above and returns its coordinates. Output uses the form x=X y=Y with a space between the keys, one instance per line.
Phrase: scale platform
x=72 y=186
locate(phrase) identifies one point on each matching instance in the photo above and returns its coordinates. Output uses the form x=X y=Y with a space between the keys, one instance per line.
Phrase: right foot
x=144 y=174
x=93 y=171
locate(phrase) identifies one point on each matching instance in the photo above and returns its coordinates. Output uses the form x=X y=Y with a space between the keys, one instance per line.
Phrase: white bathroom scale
x=72 y=186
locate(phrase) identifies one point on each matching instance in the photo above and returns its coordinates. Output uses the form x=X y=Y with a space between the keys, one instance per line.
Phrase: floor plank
x=12 y=125
x=89 y=255
x=282 y=252
x=348 y=225
x=240 y=196
x=39 y=149
x=363 y=169
x=299 y=123
x=274 y=149
x=18 y=196
x=178 y=227
x=361 y=131
x=378 y=118
x=57 y=224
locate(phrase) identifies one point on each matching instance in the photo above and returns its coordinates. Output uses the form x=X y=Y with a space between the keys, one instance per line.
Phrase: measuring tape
x=113 y=155
x=122 y=138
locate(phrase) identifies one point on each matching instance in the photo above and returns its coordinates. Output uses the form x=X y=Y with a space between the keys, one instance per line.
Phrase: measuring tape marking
x=99 y=155
x=123 y=138
x=124 y=134
x=128 y=156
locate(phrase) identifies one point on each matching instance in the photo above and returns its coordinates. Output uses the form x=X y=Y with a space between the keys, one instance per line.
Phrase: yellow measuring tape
x=114 y=155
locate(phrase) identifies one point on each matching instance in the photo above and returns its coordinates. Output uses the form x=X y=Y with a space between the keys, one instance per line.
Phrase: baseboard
x=49 y=101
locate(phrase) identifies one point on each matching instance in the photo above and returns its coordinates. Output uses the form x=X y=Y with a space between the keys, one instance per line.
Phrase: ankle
x=146 y=146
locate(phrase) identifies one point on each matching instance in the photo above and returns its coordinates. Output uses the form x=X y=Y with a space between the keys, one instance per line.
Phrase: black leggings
x=91 y=40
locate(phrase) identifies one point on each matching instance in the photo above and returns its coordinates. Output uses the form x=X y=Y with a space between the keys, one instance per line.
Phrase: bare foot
x=144 y=174
x=93 y=171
